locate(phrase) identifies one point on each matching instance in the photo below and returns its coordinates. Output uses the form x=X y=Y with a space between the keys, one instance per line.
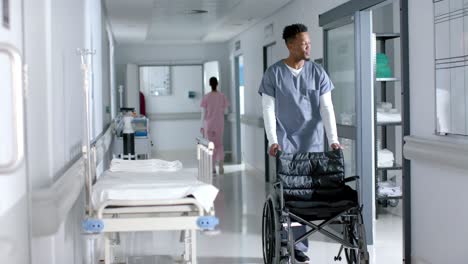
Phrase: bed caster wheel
x=91 y=225
x=207 y=222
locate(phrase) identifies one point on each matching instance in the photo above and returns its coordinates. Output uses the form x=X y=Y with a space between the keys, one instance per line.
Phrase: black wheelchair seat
x=311 y=211
x=309 y=188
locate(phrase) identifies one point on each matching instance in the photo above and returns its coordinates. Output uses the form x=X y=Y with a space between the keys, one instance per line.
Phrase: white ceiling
x=170 y=21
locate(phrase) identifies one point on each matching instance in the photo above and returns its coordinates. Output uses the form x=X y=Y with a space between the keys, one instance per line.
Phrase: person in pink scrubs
x=213 y=106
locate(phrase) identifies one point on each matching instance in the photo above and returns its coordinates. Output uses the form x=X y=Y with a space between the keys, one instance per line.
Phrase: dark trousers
x=297 y=232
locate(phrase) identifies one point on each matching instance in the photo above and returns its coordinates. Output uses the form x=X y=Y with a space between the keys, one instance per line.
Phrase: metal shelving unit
x=388 y=123
x=381 y=173
x=395 y=166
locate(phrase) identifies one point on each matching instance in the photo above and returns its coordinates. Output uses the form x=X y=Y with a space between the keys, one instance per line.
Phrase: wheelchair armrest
x=352 y=178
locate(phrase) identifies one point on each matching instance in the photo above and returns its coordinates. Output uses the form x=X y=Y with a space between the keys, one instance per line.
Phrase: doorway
x=270 y=164
x=362 y=55
x=240 y=106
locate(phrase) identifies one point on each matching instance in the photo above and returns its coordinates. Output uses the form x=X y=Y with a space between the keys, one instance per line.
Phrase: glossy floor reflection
x=239 y=207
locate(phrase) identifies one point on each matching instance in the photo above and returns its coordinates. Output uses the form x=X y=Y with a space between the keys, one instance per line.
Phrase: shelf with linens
x=387 y=117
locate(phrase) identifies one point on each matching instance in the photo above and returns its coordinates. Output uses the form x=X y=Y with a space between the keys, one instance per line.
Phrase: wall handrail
x=51 y=205
x=18 y=110
x=452 y=151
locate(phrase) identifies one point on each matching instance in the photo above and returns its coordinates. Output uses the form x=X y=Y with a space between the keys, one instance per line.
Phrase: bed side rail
x=205 y=160
x=99 y=149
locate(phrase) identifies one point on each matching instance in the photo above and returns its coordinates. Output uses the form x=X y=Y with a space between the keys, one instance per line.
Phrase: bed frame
x=186 y=214
x=114 y=216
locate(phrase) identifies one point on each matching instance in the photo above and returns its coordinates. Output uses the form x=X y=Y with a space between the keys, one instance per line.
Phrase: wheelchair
x=311 y=189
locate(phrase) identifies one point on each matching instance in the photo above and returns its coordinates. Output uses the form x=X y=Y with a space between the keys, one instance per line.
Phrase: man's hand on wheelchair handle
x=335 y=146
x=274 y=149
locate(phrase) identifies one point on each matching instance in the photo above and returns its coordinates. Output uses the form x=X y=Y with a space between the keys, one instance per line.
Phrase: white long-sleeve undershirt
x=269 y=118
x=326 y=111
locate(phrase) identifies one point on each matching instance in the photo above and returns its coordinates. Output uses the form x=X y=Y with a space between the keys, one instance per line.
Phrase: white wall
x=177 y=134
x=132 y=98
x=170 y=135
x=438 y=193
x=112 y=73
x=54 y=29
x=252 y=42
x=167 y=134
x=184 y=78
x=106 y=45
x=14 y=197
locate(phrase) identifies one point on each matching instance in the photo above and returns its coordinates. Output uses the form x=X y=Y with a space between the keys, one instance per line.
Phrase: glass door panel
x=341 y=69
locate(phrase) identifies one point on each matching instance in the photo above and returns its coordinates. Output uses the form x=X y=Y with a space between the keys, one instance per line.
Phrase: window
x=451 y=71
x=155 y=80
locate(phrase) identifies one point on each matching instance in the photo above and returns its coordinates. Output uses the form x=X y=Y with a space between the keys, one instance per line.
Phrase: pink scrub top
x=215 y=103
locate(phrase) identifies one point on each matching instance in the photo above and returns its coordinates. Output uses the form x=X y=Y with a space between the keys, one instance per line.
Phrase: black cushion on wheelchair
x=314 y=177
x=311 y=211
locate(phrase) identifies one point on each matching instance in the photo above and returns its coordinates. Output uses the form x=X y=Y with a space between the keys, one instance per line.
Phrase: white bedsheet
x=150 y=165
x=153 y=186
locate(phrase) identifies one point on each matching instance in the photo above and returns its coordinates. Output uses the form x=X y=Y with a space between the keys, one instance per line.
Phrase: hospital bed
x=167 y=199
x=163 y=200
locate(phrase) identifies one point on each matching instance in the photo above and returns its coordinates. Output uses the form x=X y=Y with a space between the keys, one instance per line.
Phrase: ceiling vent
x=196 y=12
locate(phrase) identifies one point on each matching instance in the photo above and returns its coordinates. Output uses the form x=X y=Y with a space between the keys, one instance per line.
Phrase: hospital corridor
x=233 y=131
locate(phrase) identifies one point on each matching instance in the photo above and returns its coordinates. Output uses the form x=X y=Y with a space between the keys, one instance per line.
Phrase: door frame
x=267 y=156
x=361 y=22
x=346 y=10
x=238 y=156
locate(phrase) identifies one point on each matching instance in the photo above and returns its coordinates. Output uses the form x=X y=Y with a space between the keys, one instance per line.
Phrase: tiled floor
x=239 y=208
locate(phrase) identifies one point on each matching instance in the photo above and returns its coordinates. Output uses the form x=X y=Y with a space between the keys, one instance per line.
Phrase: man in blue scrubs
x=297 y=106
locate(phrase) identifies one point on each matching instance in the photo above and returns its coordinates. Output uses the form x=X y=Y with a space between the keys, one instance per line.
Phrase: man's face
x=299 y=47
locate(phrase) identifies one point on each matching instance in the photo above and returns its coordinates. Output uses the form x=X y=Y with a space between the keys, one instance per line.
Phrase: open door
x=351 y=34
x=210 y=69
x=348 y=61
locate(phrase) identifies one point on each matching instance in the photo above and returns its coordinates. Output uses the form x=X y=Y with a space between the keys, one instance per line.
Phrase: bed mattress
x=163 y=185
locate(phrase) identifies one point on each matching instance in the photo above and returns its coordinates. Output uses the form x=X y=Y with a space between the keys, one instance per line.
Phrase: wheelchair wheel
x=356 y=235
x=350 y=254
x=271 y=240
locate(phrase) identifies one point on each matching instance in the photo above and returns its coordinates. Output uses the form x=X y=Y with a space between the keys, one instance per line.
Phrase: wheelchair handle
x=352 y=178
x=358 y=187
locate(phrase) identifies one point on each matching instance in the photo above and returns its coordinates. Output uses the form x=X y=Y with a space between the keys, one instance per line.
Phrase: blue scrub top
x=299 y=126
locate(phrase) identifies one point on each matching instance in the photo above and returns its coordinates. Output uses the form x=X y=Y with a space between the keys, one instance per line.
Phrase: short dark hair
x=213 y=82
x=291 y=31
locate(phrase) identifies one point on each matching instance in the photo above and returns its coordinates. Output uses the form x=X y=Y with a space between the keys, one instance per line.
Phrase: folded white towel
x=387 y=117
x=385 y=158
x=388 y=189
x=390 y=192
x=150 y=165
